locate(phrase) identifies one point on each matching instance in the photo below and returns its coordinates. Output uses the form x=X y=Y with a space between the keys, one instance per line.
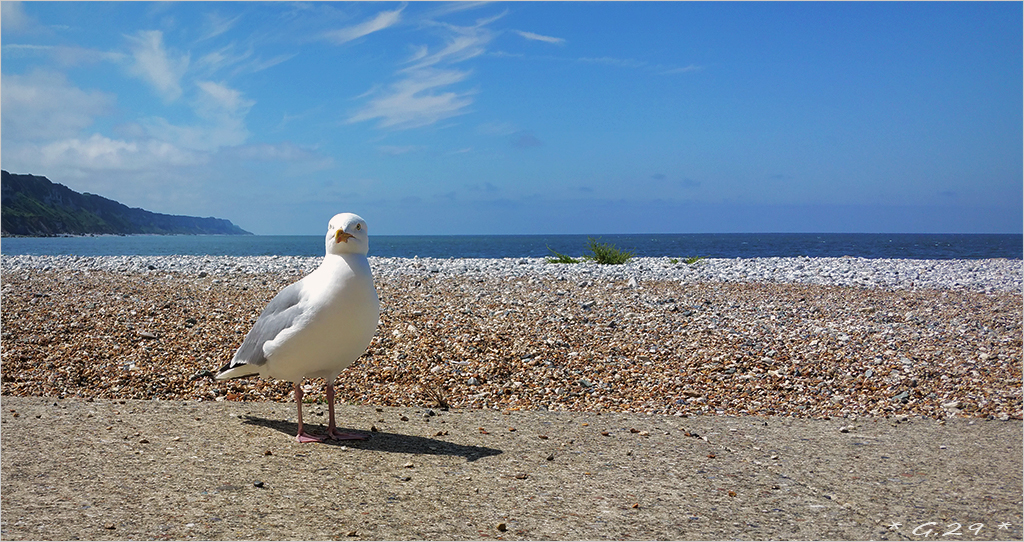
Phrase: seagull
x=317 y=326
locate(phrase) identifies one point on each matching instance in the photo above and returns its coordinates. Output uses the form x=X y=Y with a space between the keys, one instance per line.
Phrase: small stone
x=522 y=476
x=404 y=418
x=542 y=437
x=352 y=533
x=408 y=465
x=108 y=526
x=143 y=441
x=605 y=433
x=258 y=484
x=473 y=381
x=845 y=429
x=551 y=457
x=373 y=429
x=147 y=334
x=268 y=452
x=502 y=527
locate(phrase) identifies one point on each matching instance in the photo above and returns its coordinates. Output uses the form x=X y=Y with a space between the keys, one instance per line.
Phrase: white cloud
x=418 y=98
x=222 y=111
x=43 y=105
x=14 y=17
x=217 y=99
x=383 y=20
x=458 y=49
x=62 y=54
x=217 y=25
x=415 y=101
x=73 y=156
x=228 y=58
x=685 y=69
x=538 y=37
x=155 y=65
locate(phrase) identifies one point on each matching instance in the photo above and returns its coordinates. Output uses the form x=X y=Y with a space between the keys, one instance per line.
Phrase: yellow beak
x=342 y=236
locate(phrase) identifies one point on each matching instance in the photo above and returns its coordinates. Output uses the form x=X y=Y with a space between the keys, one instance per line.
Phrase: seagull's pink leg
x=302 y=436
x=332 y=430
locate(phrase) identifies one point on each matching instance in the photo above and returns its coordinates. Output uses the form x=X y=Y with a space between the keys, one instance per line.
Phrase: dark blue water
x=726 y=245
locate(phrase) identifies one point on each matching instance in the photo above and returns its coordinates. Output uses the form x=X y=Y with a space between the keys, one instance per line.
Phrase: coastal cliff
x=33 y=206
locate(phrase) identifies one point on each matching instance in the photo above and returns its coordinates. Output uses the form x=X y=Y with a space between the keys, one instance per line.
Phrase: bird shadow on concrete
x=381 y=441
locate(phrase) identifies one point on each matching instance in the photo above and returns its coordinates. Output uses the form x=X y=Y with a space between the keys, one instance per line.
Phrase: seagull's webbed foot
x=306 y=437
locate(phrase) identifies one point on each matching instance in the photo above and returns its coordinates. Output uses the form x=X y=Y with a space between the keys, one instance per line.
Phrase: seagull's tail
x=236 y=370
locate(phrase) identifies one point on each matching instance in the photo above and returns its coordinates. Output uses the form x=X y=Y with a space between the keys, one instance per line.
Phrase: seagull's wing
x=280 y=314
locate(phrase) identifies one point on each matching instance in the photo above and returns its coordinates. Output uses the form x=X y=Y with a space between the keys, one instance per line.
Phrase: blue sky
x=527 y=117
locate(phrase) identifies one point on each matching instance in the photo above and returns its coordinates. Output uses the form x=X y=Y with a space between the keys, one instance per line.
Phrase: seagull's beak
x=342 y=236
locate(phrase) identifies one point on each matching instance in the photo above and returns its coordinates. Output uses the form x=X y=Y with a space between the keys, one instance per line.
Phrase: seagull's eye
x=359 y=226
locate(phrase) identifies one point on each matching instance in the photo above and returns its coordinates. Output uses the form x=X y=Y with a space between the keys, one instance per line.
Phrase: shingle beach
x=799 y=399
x=826 y=337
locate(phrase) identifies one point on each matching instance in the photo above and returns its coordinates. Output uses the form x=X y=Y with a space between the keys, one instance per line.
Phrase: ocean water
x=725 y=245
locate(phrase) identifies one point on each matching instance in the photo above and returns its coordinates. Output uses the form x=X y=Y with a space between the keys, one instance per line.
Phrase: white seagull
x=317 y=326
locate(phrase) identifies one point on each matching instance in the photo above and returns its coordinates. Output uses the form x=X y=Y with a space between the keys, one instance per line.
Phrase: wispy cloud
x=221 y=111
x=63 y=54
x=217 y=25
x=383 y=20
x=44 y=105
x=422 y=96
x=685 y=69
x=462 y=44
x=101 y=153
x=230 y=59
x=538 y=37
x=415 y=101
x=14 y=17
x=157 y=66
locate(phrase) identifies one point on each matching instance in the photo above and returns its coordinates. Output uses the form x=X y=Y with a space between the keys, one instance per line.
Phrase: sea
x=683 y=245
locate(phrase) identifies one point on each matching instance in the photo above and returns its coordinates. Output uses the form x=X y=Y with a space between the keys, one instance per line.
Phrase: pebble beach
x=801 y=337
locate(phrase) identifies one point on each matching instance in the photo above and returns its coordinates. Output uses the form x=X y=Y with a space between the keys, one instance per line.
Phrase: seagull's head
x=347 y=234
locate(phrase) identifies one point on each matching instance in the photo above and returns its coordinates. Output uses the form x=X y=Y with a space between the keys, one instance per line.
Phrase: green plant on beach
x=673 y=260
x=693 y=259
x=561 y=258
x=606 y=253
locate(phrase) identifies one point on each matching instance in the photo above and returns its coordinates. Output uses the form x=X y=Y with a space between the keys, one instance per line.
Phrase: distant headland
x=34 y=206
